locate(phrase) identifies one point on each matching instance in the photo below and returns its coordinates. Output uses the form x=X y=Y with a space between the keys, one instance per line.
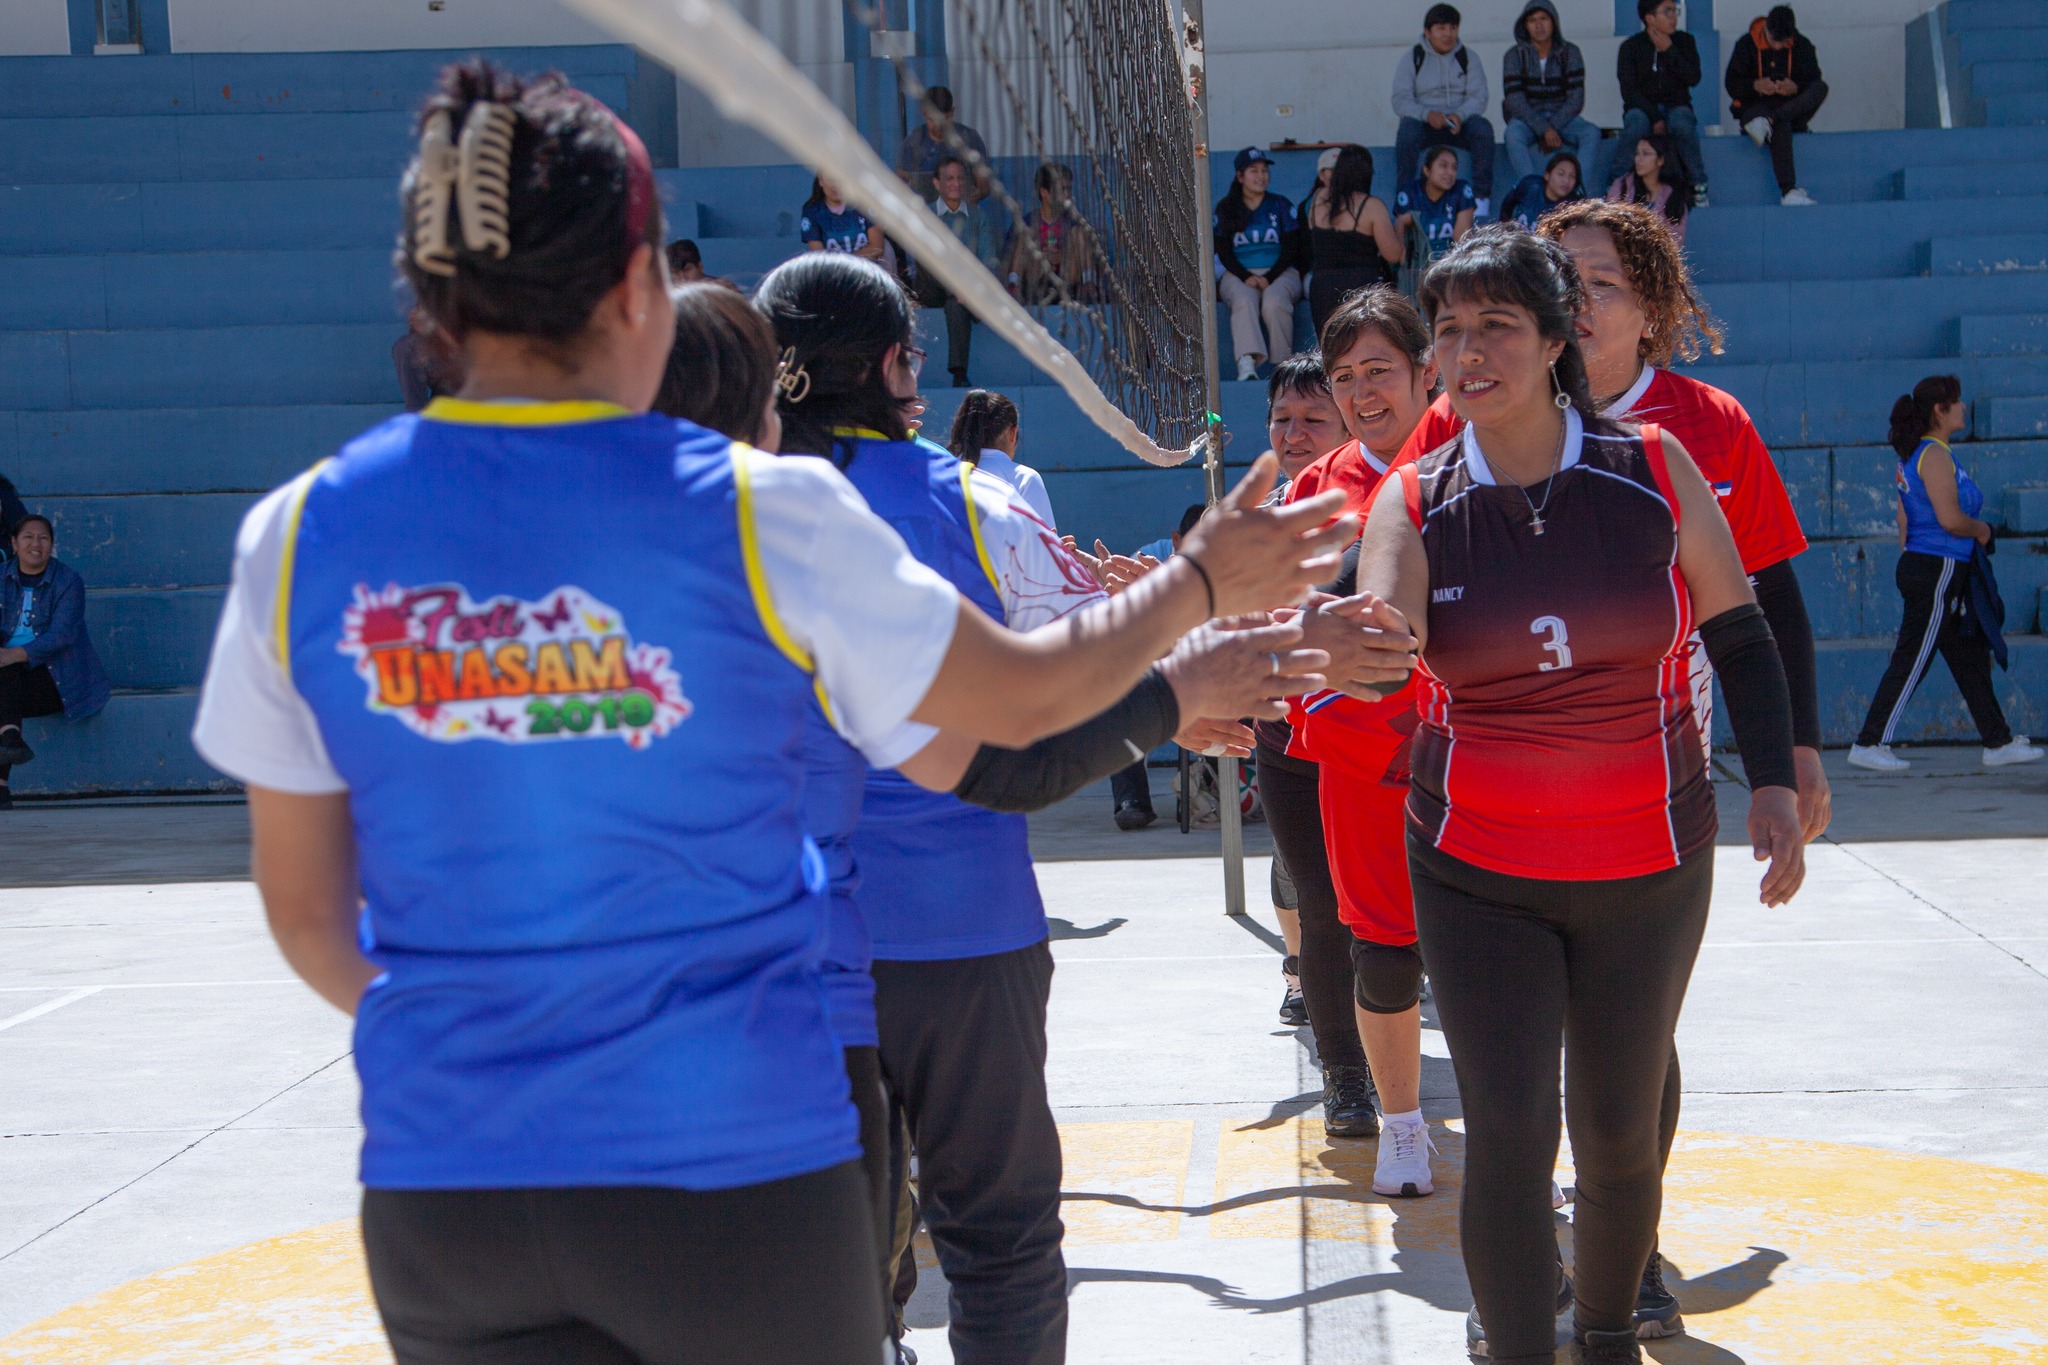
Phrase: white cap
x=1328 y=160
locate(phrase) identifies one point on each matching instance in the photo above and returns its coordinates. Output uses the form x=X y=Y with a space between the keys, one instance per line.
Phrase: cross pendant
x=1536 y=524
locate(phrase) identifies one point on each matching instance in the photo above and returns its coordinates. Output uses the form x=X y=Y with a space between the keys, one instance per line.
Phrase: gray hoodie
x=1543 y=93
x=1447 y=83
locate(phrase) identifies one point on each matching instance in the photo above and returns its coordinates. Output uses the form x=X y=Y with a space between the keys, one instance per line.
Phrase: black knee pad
x=1385 y=978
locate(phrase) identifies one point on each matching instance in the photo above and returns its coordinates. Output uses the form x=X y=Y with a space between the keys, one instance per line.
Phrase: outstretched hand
x=1229 y=673
x=1371 y=648
x=1257 y=558
x=1777 y=836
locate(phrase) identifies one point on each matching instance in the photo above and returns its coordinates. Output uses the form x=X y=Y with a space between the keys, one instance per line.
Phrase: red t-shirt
x=1715 y=431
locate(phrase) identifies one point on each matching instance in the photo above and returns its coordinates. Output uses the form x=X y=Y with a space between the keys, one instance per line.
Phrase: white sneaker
x=1403 y=1168
x=1759 y=130
x=1483 y=207
x=1247 y=367
x=1879 y=758
x=1556 y=1196
x=1796 y=198
x=2019 y=749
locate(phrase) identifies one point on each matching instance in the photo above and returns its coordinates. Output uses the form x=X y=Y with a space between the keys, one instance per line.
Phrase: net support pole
x=1194 y=54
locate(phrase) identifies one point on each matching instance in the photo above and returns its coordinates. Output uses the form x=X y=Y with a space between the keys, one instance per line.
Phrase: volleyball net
x=1083 y=161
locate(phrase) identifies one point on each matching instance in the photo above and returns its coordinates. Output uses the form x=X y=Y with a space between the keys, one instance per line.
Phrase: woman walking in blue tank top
x=1940 y=533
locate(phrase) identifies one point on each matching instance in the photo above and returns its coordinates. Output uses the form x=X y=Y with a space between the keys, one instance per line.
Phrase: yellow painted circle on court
x=1785 y=1252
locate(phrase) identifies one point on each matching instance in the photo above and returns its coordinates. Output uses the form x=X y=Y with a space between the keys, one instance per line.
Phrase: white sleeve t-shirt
x=875 y=621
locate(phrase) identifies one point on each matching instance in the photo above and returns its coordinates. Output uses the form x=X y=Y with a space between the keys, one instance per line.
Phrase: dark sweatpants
x=1520 y=967
x=963 y=1057
x=1294 y=815
x=25 y=692
x=1784 y=113
x=1937 y=597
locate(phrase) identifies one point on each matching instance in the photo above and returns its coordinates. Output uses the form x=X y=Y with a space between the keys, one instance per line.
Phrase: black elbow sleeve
x=1023 y=780
x=1784 y=608
x=1752 y=678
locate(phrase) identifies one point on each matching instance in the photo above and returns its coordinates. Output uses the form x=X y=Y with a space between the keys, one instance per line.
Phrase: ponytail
x=1913 y=413
x=982 y=419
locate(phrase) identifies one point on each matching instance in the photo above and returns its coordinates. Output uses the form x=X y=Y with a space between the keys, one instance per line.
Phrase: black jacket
x=1651 y=79
x=1753 y=58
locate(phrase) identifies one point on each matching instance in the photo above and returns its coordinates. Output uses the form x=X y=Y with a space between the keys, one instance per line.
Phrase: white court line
x=1199 y=957
x=46 y=1007
x=159 y=985
x=1870 y=942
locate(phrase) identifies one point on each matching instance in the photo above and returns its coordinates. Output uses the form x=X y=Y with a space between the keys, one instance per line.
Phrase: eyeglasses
x=914 y=358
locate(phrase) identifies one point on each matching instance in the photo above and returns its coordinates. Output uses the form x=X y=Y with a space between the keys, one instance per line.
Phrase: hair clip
x=792 y=380
x=433 y=188
x=483 y=185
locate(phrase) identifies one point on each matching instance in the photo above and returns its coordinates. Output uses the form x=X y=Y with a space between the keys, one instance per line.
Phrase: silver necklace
x=1536 y=509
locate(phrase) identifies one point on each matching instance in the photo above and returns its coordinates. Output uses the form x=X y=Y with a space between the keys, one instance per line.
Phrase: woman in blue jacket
x=1940 y=530
x=47 y=662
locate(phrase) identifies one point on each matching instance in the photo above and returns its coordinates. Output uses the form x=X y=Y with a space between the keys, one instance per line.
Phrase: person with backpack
x=1440 y=95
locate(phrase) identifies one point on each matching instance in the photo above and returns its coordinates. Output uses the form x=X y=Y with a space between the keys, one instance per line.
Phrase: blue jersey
x=573 y=763
x=938 y=878
x=1924 y=531
x=1266 y=228
x=845 y=230
x=835 y=778
x=1438 y=218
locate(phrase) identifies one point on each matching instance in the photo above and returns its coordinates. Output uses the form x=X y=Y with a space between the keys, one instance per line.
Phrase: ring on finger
x=1276 y=664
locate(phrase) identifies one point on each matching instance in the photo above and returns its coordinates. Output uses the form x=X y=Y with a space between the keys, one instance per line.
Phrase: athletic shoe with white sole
x=1796 y=198
x=1247 y=367
x=1879 y=758
x=1759 y=130
x=2019 y=749
x=1293 y=1008
x=1475 y=1332
x=1606 y=1348
x=1556 y=1195
x=1656 y=1306
x=1347 y=1102
x=1402 y=1171
x=1699 y=196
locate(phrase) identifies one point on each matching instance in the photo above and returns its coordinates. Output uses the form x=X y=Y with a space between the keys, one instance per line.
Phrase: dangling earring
x=1563 y=399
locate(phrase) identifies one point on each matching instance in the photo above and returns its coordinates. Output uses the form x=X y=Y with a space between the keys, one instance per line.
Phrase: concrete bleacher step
x=1975 y=180
x=149 y=540
x=244 y=215
x=2006 y=334
x=1846 y=491
x=1994 y=14
x=2013 y=415
x=1850 y=593
x=1975 y=47
x=155 y=639
x=1848 y=671
x=1801 y=403
x=741 y=201
x=212 y=83
x=1839 y=168
x=174 y=450
x=2017 y=109
x=333 y=363
x=165 y=147
x=1989 y=255
x=1822 y=320
x=141 y=742
x=1886 y=239
x=197 y=289
x=2011 y=74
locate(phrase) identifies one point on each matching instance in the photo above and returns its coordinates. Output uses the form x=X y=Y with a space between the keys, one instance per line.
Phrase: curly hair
x=1679 y=320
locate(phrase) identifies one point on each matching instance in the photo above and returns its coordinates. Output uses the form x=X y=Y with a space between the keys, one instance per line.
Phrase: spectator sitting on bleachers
x=12 y=510
x=1655 y=179
x=1440 y=205
x=829 y=223
x=1440 y=95
x=1258 y=243
x=1049 y=250
x=1562 y=181
x=1775 y=89
x=984 y=434
x=917 y=161
x=973 y=223
x=1352 y=243
x=1542 y=94
x=428 y=366
x=1657 y=69
x=686 y=265
x=47 y=663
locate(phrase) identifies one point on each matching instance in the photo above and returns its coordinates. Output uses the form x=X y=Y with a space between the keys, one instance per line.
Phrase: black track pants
x=963 y=1057
x=1295 y=816
x=775 y=1274
x=1520 y=967
x=1937 y=596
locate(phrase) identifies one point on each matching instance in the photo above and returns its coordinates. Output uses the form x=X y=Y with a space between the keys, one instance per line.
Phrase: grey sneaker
x=1475 y=1331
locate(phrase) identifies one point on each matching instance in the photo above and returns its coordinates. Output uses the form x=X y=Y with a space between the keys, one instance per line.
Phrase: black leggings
x=775 y=1274
x=1937 y=619
x=871 y=1102
x=1295 y=817
x=1520 y=966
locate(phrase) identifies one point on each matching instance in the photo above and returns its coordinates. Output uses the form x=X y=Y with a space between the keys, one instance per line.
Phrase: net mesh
x=1082 y=149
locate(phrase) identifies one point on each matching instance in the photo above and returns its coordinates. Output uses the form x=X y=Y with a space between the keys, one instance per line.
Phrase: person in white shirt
x=984 y=434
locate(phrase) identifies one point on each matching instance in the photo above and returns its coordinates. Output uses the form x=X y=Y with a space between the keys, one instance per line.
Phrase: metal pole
x=1195 y=58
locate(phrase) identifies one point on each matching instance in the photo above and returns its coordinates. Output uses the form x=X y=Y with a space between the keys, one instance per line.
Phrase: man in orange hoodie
x=1775 y=87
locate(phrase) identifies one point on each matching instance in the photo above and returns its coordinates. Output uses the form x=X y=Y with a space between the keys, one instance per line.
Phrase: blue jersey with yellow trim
x=938 y=878
x=540 y=652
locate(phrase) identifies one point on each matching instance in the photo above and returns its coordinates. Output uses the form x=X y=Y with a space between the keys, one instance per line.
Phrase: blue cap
x=1251 y=156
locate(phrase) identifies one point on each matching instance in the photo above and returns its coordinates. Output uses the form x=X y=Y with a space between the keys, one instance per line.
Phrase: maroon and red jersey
x=1715 y=430
x=1557 y=737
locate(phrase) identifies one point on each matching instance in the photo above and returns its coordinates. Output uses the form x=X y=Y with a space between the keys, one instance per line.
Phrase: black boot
x=13 y=748
x=1347 y=1103
x=1607 y=1348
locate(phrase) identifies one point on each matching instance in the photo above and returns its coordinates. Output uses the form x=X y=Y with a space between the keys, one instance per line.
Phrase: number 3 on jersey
x=1558 y=644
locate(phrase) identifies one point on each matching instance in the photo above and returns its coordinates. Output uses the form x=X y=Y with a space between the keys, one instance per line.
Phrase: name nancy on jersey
x=454 y=669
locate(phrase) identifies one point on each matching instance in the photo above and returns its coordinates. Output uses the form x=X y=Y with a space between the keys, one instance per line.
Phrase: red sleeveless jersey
x=1715 y=430
x=1557 y=736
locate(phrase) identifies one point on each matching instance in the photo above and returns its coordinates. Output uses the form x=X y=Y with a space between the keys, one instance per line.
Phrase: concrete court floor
x=1864 y=1159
